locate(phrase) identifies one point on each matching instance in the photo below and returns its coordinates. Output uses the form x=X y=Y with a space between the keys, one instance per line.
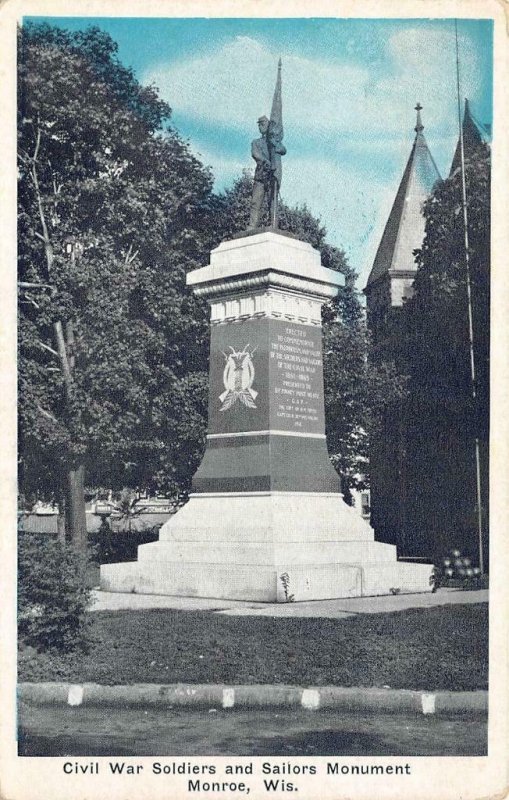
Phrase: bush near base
x=111 y=547
x=52 y=595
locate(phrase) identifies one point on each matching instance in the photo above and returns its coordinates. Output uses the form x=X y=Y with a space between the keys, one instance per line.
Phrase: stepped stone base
x=238 y=547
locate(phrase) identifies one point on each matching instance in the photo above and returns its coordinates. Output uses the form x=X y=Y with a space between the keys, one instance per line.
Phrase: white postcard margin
x=444 y=778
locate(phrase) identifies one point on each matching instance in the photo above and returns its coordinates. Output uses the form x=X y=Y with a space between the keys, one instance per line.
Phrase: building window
x=365 y=504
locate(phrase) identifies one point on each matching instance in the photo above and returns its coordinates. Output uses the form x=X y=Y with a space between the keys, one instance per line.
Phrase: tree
x=112 y=346
x=444 y=418
x=438 y=314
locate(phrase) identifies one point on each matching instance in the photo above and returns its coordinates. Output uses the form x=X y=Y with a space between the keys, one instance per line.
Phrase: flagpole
x=473 y=376
x=274 y=203
x=276 y=122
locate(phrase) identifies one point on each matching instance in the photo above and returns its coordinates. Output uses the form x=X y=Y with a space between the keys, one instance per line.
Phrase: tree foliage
x=121 y=198
x=52 y=597
x=443 y=417
x=437 y=316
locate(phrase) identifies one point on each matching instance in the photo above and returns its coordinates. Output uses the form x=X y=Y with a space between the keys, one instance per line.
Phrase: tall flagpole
x=473 y=376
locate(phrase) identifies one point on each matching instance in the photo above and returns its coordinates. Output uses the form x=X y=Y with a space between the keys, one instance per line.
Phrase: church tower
x=420 y=472
x=393 y=272
x=389 y=285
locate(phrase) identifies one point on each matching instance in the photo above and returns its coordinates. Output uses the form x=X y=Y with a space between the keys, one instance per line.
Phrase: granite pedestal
x=266 y=518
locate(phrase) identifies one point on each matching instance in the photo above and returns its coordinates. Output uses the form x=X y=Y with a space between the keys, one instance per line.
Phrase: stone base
x=238 y=547
x=264 y=585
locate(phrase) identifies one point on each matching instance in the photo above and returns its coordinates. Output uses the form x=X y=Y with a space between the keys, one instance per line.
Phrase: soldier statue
x=267 y=152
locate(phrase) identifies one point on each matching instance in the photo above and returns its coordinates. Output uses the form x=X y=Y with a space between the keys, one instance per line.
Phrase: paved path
x=334 y=609
x=52 y=731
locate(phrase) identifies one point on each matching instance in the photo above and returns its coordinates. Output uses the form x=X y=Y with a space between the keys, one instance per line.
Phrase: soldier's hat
x=263 y=119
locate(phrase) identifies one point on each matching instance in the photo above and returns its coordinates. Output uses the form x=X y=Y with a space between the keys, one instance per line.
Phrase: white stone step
x=266 y=554
x=305 y=582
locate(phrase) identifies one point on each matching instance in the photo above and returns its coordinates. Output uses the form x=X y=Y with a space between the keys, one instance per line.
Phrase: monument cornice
x=263 y=280
x=262 y=260
x=265 y=275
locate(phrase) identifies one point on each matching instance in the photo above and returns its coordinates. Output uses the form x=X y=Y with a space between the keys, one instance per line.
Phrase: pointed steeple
x=474 y=137
x=419 y=127
x=404 y=230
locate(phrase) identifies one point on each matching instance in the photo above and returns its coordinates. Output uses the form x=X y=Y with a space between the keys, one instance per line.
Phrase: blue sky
x=349 y=91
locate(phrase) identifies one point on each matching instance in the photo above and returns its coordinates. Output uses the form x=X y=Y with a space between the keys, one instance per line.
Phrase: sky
x=349 y=91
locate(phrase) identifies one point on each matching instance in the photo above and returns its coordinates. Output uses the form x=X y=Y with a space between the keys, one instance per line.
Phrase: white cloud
x=233 y=85
x=425 y=70
x=365 y=116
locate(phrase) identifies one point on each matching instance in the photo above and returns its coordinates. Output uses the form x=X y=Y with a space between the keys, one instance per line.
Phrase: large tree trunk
x=61 y=528
x=75 y=500
x=75 y=507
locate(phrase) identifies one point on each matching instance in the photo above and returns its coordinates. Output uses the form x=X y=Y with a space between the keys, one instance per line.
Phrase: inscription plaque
x=296 y=378
x=266 y=374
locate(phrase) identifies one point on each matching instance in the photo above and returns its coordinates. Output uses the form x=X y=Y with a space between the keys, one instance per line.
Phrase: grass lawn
x=443 y=647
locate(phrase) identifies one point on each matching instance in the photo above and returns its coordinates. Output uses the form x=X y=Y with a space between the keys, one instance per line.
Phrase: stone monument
x=266 y=520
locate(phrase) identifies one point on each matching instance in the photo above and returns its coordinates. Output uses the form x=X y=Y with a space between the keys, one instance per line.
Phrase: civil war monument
x=266 y=520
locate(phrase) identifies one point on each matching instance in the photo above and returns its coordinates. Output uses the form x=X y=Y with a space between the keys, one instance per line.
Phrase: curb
x=350 y=699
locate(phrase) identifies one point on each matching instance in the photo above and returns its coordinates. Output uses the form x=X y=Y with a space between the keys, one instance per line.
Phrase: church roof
x=474 y=136
x=404 y=230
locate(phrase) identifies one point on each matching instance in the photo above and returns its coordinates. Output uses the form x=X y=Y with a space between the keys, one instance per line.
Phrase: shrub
x=114 y=546
x=52 y=596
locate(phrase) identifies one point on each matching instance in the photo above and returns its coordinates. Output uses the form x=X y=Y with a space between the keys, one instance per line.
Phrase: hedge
x=52 y=595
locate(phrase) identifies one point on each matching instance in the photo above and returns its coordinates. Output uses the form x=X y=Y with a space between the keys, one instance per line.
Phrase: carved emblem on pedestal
x=238 y=377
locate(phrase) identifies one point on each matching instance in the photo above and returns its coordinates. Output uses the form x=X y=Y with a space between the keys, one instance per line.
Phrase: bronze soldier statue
x=267 y=152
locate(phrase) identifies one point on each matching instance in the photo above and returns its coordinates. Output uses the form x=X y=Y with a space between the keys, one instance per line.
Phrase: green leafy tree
x=52 y=598
x=444 y=417
x=113 y=348
x=438 y=314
